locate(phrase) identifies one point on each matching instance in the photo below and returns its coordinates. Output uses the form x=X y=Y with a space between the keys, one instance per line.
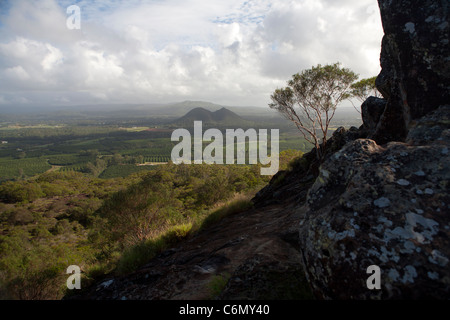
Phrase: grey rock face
x=415 y=75
x=385 y=200
x=371 y=111
x=385 y=206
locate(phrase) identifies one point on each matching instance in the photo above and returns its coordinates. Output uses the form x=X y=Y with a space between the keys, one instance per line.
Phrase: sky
x=233 y=52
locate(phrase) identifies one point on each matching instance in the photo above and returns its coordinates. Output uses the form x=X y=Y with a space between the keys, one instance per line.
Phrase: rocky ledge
x=386 y=206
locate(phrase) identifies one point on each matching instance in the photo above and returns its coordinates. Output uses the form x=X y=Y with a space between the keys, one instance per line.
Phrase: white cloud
x=17 y=73
x=52 y=59
x=230 y=52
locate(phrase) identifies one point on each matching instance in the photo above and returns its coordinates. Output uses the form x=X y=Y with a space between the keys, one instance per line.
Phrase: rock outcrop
x=292 y=186
x=415 y=76
x=384 y=200
x=385 y=206
x=371 y=111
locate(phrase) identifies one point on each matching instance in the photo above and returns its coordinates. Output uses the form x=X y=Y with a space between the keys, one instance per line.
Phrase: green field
x=18 y=168
x=101 y=151
x=32 y=150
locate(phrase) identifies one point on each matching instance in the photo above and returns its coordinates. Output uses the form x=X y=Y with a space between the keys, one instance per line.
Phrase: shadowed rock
x=385 y=200
x=385 y=206
x=371 y=111
x=415 y=75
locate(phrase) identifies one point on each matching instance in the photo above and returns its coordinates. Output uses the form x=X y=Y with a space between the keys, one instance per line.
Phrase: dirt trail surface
x=254 y=252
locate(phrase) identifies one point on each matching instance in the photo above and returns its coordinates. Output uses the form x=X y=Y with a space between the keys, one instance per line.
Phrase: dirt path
x=54 y=168
x=254 y=252
x=151 y=163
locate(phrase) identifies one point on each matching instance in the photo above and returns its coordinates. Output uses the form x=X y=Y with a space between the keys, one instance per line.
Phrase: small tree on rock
x=311 y=98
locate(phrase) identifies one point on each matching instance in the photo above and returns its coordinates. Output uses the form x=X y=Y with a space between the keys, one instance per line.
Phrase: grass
x=218 y=283
x=136 y=256
x=239 y=203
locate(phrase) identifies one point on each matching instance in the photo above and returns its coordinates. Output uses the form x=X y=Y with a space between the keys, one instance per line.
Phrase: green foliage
x=20 y=192
x=50 y=219
x=53 y=131
x=169 y=204
x=20 y=216
x=33 y=270
x=95 y=168
x=34 y=150
x=299 y=163
x=232 y=207
x=141 y=252
x=137 y=255
x=62 y=218
x=13 y=168
x=288 y=156
x=42 y=234
x=290 y=160
x=311 y=98
x=365 y=88
x=218 y=283
x=123 y=170
x=96 y=151
x=71 y=159
x=169 y=194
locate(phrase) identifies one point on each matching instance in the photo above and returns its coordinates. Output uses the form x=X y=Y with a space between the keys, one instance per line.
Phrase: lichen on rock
x=415 y=75
x=364 y=213
x=385 y=200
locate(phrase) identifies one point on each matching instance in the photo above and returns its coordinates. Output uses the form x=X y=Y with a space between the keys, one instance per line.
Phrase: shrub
x=20 y=191
x=37 y=285
x=62 y=227
x=141 y=253
x=218 y=283
x=136 y=256
x=20 y=216
x=177 y=233
x=238 y=204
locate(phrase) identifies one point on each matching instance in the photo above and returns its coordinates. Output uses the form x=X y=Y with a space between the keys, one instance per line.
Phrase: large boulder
x=384 y=201
x=292 y=185
x=371 y=111
x=415 y=75
x=385 y=206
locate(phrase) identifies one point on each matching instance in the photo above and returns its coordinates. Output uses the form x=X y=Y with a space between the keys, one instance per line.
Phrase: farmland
x=101 y=151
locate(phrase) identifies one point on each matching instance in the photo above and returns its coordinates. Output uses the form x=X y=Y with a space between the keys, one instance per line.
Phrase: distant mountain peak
x=222 y=116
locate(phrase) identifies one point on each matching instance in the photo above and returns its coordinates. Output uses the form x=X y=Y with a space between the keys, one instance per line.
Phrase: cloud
x=17 y=73
x=307 y=33
x=230 y=52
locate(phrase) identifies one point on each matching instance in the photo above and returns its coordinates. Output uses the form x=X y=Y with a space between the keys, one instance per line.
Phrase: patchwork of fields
x=102 y=151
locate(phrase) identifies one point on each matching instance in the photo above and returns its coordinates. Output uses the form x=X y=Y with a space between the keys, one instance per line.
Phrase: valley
x=106 y=144
x=98 y=190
